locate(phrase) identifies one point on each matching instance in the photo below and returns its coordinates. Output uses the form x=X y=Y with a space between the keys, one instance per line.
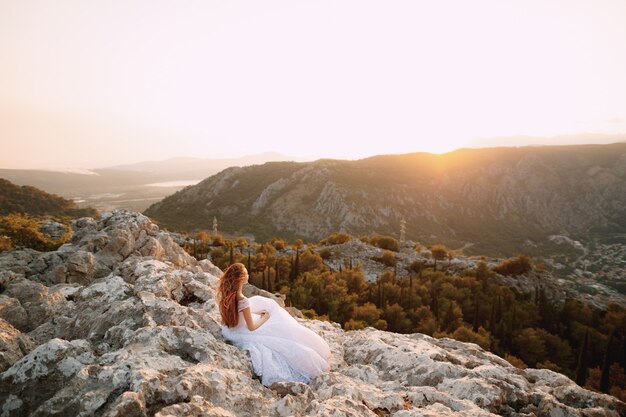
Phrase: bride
x=281 y=349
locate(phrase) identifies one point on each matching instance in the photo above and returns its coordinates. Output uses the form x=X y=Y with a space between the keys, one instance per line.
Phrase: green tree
x=465 y=334
x=529 y=346
x=367 y=313
x=396 y=319
x=582 y=368
x=439 y=253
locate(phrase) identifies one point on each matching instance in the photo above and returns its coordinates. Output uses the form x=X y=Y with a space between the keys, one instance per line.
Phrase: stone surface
x=13 y=345
x=133 y=330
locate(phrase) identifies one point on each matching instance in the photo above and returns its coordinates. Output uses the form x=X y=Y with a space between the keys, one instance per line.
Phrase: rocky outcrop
x=121 y=322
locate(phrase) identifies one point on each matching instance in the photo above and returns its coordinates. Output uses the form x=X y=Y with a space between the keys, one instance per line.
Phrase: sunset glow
x=91 y=84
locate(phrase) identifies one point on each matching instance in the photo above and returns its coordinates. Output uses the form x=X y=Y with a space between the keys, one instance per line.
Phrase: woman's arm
x=252 y=326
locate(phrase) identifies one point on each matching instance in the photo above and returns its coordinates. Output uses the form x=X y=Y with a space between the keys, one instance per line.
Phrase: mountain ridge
x=495 y=198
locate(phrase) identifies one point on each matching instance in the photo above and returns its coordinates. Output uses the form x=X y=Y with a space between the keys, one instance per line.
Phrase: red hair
x=227 y=293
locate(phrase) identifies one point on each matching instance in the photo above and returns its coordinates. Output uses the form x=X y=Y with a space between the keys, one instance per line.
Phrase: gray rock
x=145 y=339
x=13 y=345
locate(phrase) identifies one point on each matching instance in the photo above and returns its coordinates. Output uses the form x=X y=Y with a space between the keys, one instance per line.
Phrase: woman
x=281 y=349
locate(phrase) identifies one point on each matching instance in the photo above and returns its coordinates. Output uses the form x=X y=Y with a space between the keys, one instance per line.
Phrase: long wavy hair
x=227 y=293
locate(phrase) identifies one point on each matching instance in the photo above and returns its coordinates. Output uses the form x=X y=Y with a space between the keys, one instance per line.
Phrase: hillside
x=30 y=200
x=134 y=186
x=493 y=201
x=122 y=322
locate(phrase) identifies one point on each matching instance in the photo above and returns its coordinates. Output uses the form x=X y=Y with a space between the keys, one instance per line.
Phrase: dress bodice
x=243 y=303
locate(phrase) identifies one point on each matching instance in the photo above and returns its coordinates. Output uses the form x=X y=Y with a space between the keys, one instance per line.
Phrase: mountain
x=492 y=201
x=198 y=168
x=122 y=322
x=134 y=186
x=31 y=200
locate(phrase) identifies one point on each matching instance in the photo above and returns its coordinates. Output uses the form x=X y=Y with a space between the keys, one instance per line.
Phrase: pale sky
x=97 y=83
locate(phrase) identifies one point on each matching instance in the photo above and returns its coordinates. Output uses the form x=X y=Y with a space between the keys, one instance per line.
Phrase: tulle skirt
x=281 y=349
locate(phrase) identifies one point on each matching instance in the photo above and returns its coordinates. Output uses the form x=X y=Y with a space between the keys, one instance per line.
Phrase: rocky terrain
x=122 y=322
x=581 y=287
x=594 y=267
x=491 y=201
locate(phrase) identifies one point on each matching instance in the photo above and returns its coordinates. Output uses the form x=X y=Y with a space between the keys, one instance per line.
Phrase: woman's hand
x=252 y=325
x=265 y=315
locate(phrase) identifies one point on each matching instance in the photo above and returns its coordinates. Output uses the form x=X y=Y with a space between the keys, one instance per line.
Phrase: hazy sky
x=95 y=83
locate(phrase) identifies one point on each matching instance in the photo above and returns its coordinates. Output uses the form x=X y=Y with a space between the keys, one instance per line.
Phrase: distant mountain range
x=133 y=186
x=490 y=201
x=199 y=168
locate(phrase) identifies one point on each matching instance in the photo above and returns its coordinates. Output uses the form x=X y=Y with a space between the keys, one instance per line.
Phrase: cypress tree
x=536 y=295
x=583 y=362
x=498 y=308
x=514 y=317
x=248 y=261
x=492 y=317
x=475 y=321
x=606 y=365
x=230 y=261
x=622 y=359
x=384 y=298
x=277 y=271
x=269 y=279
x=296 y=265
x=449 y=318
x=263 y=282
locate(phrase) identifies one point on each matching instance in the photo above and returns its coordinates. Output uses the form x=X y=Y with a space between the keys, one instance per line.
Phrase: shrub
x=336 y=239
x=388 y=258
x=549 y=365
x=514 y=266
x=325 y=253
x=385 y=242
x=23 y=231
x=416 y=266
x=354 y=325
x=465 y=334
x=218 y=240
x=309 y=313
x=5 y=244
x=279 y=244
x=515 y=361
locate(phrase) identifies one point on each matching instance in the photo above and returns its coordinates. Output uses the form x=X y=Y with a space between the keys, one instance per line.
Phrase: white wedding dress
x=281 y=349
